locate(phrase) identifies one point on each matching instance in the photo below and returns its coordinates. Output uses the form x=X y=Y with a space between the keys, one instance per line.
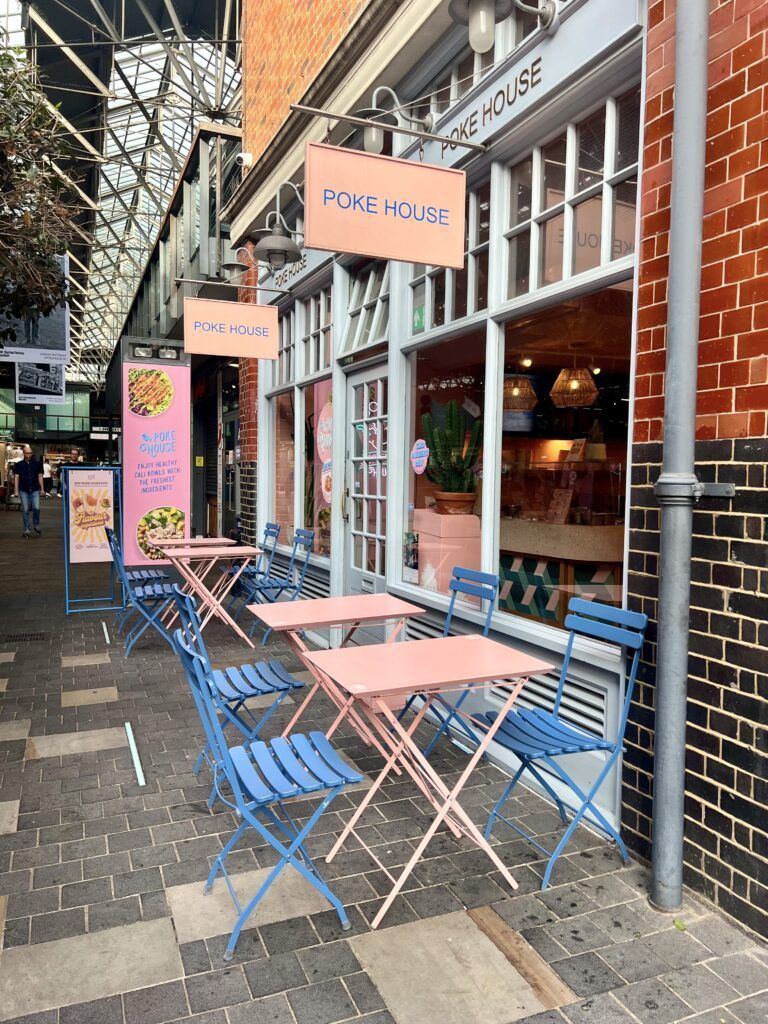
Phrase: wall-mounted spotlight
x=482 y=17
x=373 y=136
x=277 y=247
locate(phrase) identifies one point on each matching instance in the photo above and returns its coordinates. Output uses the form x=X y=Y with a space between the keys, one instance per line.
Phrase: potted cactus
x=452 y=457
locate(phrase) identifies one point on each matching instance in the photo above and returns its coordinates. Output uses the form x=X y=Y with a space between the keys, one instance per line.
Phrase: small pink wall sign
x=419 y=456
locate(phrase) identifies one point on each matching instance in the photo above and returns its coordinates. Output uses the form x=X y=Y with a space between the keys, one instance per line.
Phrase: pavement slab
x=462 y=978
x=87 y=967
x=97 y=695
x=16 y=730
x=81 y=660
x=9 y=816
x=197 y=916
x=62 y=744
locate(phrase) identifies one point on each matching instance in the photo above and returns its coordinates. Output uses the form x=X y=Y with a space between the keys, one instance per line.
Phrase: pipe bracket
x=687 y=489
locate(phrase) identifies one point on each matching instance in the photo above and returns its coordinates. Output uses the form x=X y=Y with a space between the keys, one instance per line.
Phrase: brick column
x=726 y=848
x=248 y=382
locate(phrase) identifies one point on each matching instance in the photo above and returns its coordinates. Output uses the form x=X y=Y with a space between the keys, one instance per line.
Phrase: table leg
x=450 y=799
x=210 y=602
x=222 y=586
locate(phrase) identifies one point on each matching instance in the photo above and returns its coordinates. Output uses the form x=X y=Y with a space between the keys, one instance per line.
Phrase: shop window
x=285 y=448
x=446 y=417
x=317 y=332
x=564 y=455
x=439 y=295
x=572 y=202
x=285 y=368
x=368 y=310
x=316 y=463
x=452 y=83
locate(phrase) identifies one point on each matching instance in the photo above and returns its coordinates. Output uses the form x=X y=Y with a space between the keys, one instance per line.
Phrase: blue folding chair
x=483 y=585
x=149 y=600
x=261 y=776
x=542 y=737
x=269 y=588
x=232 y=687
x=263 y=564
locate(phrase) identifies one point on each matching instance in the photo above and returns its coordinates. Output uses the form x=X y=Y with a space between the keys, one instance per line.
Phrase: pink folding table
x=193 y=542
x=371 y=676
x=350 y=612
x=194 y=562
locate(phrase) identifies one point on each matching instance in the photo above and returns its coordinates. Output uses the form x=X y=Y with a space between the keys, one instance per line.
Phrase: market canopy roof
x=131 y=79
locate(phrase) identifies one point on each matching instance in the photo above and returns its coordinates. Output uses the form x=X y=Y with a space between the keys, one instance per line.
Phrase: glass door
x=231 y=474
x=366 y=484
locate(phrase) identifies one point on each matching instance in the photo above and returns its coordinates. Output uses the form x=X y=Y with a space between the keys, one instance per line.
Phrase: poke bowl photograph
x=164 y=523
x=150 y=391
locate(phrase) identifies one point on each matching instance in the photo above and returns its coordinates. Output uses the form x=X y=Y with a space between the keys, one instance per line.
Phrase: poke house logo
x=160 y=443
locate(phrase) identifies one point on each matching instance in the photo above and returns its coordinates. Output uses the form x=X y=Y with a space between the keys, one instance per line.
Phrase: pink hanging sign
x=419 y=456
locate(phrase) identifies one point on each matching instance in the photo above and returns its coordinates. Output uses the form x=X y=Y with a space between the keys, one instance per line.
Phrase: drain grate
x=18 y=638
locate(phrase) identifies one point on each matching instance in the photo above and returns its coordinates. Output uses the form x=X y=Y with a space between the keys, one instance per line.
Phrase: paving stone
x=58 y=925
x=547 y=948
x=718 y=1016
x=286 y=936
x=602 y=1009
x=109 y=864
x=333 y=960
x=437 y=899
x=522 y=912
x=578 y=934
x=476 y=891
x=197 y=916
x=47 y=1017
x=99 y=1011
x=746 y=974
x=94 y=846
x=753 y=1010
x=678 y=948
x=113 y=913
x=699 y=987
x=219 y=988
x=323 y=1003
x=154 y=905
x=587 y=974
x=607 y=890
x=635 y=960
x=134 y=882
x=86 y=967
x=15 y=882
x=81 y=698
x=15 y=730
x=652 y=1002
x=434 y=951
x=720 y=936
x=63 y=744
x=95 y=890
x=57 y=874
x=157 y=1004
x=365 y=994
x=152 y=856
x=567 y=901
x=9 y=816
x=276 y=974
x=328 y=926
x=271 y=1010
x=194 y=956
x=81 y=660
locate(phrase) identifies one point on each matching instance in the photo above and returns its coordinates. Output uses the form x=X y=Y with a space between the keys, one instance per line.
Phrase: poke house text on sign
x=238 y=329
x=378 y=206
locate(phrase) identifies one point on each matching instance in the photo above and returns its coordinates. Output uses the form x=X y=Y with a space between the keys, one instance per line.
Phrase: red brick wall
x=733 y=365
x=726 y=835
x=285 y=44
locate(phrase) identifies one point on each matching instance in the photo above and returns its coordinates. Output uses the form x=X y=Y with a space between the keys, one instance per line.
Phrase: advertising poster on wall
x=40 y=383
x=156 y=458
x=91 y=508
x=40 y=337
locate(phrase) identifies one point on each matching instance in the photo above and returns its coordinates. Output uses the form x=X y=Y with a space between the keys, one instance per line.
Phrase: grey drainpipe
x=677 y=488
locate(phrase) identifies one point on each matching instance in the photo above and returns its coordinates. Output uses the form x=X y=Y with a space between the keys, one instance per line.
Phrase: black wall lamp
x=482 y=17
x=373 y=135
x=277 y=247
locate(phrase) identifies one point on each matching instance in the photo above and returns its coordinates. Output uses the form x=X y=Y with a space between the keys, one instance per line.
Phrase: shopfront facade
x=529 y=354
x=528 y=348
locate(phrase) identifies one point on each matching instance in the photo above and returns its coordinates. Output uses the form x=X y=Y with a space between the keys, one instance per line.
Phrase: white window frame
x=374 y=297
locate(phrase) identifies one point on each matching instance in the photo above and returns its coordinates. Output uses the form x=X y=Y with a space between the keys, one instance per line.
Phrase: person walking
x=28 y=486
x=47 y=476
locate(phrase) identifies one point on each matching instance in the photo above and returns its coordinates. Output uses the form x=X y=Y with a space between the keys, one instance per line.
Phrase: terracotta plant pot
x=454 y=503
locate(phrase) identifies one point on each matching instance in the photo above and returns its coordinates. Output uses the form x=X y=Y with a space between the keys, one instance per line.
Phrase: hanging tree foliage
x=35 y=208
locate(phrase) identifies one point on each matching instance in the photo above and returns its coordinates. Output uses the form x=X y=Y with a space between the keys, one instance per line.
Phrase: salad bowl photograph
x=150 y=391
x=163 y=523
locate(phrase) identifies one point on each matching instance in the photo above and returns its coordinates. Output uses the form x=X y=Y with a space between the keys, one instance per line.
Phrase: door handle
x=344 y=496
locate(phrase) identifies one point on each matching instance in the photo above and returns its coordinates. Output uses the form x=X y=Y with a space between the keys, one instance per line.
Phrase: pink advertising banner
x=216 y=328
x=91 y=501
x=383 y=207
x=156 y=458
